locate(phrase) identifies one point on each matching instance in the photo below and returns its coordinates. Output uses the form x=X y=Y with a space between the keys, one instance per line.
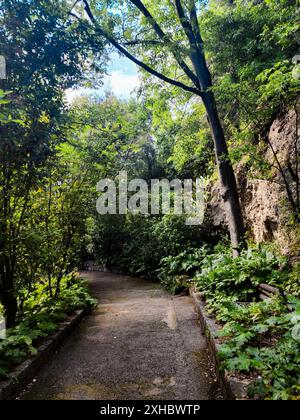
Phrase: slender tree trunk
x=8 y=298
x=10 y=307
x=229 y=191
x=228 y=183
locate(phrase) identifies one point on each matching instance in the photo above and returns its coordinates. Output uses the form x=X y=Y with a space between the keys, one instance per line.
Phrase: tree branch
x=195 y=24
x=142 y=41
x=185 y=24
x=127 y=54
x=74 y=4
x=197 y=53
x=165 y=38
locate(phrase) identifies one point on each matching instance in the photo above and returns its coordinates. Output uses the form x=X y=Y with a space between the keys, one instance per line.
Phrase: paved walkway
x=140 y=343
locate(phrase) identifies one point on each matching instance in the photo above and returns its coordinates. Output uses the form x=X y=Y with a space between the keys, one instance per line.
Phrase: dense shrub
x=222 y=276
x=263 y=339
x=137 y=244
x=260 y=338
x=176 y=272
x=40 y=316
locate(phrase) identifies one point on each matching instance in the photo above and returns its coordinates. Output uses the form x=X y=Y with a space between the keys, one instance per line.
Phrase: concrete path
x=140 y=343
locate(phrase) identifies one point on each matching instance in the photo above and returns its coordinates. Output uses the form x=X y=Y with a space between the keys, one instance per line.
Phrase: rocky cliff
x=266 y=203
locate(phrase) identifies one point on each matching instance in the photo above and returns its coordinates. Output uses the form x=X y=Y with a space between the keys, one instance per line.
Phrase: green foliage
x=183 y=142
x=176 y=272
x=260 y=338
x=39 y=317
x=247 y=41
x=52 y=157
x=46 y=51
x=137 y=243
x=110 y=135
x=250 y=47
x=291 y=286
x=5 y=116
x=238 y=278
x=278 y=87
x=263 y=339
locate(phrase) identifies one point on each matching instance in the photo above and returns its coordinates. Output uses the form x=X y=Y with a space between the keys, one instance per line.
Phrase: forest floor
x=140 y=343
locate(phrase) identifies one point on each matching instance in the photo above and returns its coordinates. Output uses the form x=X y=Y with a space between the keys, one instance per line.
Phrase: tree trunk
x=7 y=295
x=229 y=191
x=9 y=302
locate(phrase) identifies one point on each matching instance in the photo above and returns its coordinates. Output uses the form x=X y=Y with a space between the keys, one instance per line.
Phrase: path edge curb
x=25 y=372
x=231 y=387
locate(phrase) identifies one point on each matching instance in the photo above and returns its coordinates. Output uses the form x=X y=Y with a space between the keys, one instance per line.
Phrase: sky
x=122 y=79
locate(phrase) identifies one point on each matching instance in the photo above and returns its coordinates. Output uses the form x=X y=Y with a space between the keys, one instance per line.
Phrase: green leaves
x=46 y=51
x=175 y=271
x=250 y=49
x=261 y=341
x=278 y=85
x=261 y=328
x=260 y=338
x=241 y=363
x=243 y=338
x=40 y=317
x=239 y=277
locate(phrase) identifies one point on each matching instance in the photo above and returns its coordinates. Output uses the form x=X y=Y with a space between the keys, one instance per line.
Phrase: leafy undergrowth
x=260 y=339
x=263 y=339
x=175 y=272
x=40 y=317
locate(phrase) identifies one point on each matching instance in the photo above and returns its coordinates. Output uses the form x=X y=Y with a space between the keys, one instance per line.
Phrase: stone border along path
x=233 y=388
x=140 y=343
x=25 y=372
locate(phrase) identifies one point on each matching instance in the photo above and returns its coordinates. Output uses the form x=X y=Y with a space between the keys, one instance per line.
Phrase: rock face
x=265 y=203
x=261 y=209
x=282 y=136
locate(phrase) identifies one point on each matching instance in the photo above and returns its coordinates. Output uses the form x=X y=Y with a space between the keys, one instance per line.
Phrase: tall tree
x=46 y=52
x=172 y=30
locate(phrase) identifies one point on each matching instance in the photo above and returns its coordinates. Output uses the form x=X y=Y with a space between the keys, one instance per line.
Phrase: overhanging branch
x=142 y=42
x=185 y=24
x=127 y=54
x=165 y=38
x=195 y=24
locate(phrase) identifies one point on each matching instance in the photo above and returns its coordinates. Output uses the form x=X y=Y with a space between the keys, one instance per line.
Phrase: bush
x=260 y=338
x=175 y=272
x=223 y=277
x=40 y=317
x=136 y=244
x=263 y=339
